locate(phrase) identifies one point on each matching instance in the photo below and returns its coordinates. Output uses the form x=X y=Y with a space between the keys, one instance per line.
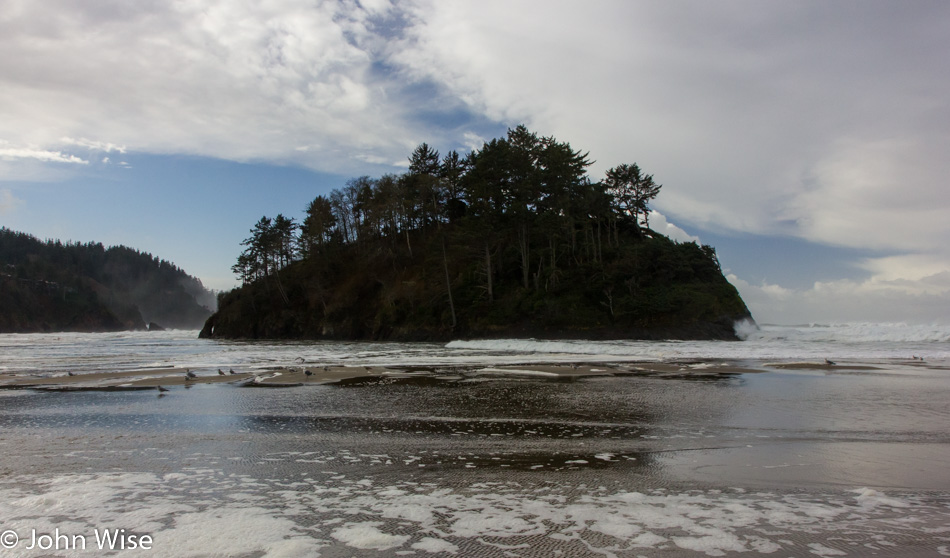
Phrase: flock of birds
x=189 y=375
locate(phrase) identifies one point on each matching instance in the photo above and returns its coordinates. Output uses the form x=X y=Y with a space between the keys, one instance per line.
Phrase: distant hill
x=55 y=286
x=513 y=240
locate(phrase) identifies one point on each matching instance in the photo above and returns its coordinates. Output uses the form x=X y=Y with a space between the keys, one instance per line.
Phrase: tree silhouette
x=632 y=191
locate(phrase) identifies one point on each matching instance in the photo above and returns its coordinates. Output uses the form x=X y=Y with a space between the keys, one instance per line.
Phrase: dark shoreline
x=721 y=330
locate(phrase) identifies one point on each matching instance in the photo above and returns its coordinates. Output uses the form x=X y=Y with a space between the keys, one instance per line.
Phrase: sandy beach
x=321 y=374
x=302 y=375
x=491 y=448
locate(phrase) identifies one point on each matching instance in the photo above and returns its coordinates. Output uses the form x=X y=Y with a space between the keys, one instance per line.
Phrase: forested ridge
x=513 y=239
x=55 y=286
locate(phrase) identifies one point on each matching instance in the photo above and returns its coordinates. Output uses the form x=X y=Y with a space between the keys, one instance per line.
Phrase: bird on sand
x=162 y=389
x=72 y=374
x=231 y=371
x=221 y=372
x=190 y=374
x=830 y=362
x=308 y=372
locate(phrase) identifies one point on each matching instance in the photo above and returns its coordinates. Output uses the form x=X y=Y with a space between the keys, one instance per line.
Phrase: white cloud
x=44 y=155
x=94 y=145
x=8 y=203
x=908 y=267
x=660 y=224
x=803 y=119
x=763 y=119
x=472 y=141
x=810 y=119
x=241 y=80
x=887 y=295
x=878 y=193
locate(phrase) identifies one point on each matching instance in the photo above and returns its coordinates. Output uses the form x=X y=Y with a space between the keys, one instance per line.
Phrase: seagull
x=299 y=359
x=161 y=389
x=221 y=372
x=830 y=362
x=190 y=374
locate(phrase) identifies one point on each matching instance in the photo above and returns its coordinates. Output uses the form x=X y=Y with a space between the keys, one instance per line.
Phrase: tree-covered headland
x=56 y=286
x=513 y=239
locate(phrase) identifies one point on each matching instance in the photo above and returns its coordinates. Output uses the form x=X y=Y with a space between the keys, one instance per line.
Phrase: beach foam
x=82 y=353
x=201 y=512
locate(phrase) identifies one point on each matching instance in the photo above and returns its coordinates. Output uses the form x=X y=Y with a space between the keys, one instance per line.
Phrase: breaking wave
x=858 y=332
x=859 y=340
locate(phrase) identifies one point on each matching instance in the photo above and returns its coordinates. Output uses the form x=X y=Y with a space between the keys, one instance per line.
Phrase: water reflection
x=757 y=428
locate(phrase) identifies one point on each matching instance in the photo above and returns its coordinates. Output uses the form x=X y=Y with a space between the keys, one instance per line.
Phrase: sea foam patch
x=201 y=512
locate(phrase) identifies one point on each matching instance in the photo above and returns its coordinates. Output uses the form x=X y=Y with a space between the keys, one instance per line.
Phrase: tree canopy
x=512 y=238
x=53 y=286
x=519 y=186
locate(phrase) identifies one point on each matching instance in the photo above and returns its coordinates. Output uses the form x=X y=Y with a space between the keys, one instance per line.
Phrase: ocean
x=757 y=447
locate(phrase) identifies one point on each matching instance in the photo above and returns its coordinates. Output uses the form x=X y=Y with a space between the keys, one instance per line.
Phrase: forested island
x=511 y=240
x=50 y=286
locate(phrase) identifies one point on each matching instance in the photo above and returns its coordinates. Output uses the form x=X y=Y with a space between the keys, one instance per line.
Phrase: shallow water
x=786 y=463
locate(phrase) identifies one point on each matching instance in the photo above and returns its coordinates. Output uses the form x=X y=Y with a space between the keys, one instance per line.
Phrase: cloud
x=15 y=153
x=904 y=288
x=754 y=117
x=243 y=80
x=660 y=224
x=814 y=120
x=818 y=120
x=777 y=120
x=887 y=193
x=8 y=203
x=472 y=141
x=94 y=145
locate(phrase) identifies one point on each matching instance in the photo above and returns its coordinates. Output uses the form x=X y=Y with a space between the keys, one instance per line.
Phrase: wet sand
x=318 y=375
x=656 y=459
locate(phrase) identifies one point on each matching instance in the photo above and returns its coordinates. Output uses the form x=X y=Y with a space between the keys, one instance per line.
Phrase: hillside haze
x=54 y=286
x=512 y=240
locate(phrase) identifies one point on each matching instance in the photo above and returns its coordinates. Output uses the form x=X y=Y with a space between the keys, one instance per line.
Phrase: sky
x=808 y=141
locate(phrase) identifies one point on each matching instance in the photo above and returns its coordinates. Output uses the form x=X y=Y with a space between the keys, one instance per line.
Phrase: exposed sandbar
x=819 y=366
x=316 y=375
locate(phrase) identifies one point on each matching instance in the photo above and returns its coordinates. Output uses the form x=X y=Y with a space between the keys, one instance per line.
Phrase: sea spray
x=745 y=328
x=81 y=353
